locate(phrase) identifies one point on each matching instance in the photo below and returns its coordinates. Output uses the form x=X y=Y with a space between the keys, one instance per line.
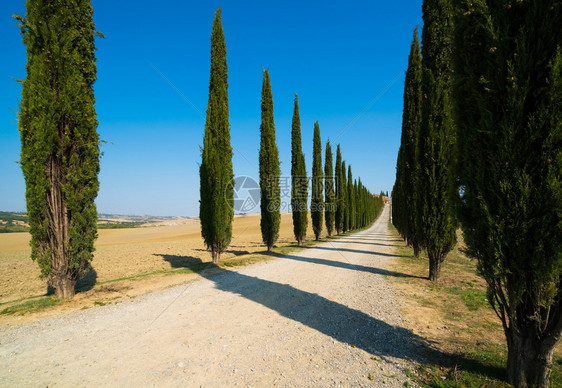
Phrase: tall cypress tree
x=329 y=190
x=509 y=72
x=411 y=122
x=437 y=137
x=270 y=171
x=60 y=143
x=299 y=180
x=217 y=195
x=350 y=199
x=338 y=218
x=345 y=199
x=317 y=197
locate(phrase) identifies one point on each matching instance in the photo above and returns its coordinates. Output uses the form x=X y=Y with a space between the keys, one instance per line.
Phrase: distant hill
x=17 y=221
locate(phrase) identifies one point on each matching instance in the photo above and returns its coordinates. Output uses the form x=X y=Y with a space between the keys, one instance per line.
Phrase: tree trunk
x=216 y=256
x=417 y=249
x=434 y=267
x=269 y=248
x=529 y=360
x=64 y=287
x=59 y=229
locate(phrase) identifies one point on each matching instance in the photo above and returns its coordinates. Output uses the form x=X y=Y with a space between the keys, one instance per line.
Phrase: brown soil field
x=129 y=252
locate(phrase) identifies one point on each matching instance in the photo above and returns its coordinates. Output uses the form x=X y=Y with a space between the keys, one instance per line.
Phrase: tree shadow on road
x=344 y=265
x=340 y=322
x=360 y=242
x=358 y=251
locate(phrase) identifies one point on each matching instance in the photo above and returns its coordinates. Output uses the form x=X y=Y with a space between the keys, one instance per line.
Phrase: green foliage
x=317 y=196
x=270 y=171
x=60 y=143
x=13 y=216
x=329 y=189
x=434 y=200
x=299 y=180
x=350 y=199
x=345 y=198
x=509 y=72
x=217 y=195
x=407 y=169
x=340 y=199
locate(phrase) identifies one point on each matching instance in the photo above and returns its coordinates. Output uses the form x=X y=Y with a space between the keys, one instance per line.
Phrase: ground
x=129 y=252
x=323 y=316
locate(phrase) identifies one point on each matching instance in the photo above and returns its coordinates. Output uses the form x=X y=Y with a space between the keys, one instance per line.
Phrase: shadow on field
x=234 y=252
x=194 y=264
x=340 y=322
x=87 y=281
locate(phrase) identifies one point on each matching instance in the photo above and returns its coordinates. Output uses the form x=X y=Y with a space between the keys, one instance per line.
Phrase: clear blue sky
x=346 y=60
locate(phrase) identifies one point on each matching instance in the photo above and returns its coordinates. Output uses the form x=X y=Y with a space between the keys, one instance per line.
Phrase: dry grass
x=131 y=262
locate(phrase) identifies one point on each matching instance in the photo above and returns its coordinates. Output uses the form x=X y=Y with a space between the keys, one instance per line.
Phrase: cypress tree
x=270 y=171
x=317 y=197
x=339 y=197
x=345 y=199
x=398 y=199
x=437 y=137
x=509 y=72
x=350 y=200
x=60 y=143
x=411 y=121
x=357 y=203
x=299 y=180
x=217 y=195
x=329 y=190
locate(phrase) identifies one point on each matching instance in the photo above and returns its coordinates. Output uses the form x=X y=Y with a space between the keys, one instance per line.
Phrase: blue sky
x=346 y=60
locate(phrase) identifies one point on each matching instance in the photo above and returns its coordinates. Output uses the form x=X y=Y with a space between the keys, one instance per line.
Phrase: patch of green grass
x=31 y=306
x=242 y=261
x=474 y=299
x=484 y=367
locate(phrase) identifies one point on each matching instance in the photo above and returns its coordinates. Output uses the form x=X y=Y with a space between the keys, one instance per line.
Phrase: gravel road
x=325 y=316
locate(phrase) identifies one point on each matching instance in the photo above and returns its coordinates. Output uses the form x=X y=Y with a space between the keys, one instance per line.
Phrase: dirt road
x=325 y=316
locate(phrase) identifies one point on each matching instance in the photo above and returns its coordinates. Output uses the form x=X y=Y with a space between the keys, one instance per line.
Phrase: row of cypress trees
x=481 y=147
x=422 y=196
x=330 y=195
x=328 y=206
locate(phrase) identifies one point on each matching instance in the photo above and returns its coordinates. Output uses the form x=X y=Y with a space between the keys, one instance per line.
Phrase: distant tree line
x=481 y=148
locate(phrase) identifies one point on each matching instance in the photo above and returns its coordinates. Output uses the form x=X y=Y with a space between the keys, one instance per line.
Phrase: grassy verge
x=455 y=316
x=31 y=306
